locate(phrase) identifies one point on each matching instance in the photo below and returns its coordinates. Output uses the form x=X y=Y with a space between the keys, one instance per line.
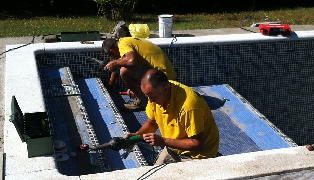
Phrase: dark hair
x=108 y=44
x=158 y=79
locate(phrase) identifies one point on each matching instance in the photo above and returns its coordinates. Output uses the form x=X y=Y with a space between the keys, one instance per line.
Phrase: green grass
x=52 y=25
x=16 y=26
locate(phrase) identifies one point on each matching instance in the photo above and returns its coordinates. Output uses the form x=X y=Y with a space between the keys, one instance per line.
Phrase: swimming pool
x=261 y=69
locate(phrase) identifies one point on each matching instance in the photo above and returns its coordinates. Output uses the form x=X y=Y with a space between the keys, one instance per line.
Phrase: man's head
x=156 y=87
x=110 y=47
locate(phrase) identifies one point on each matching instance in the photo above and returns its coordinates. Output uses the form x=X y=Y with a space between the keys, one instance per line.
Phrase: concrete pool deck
x=250 y=165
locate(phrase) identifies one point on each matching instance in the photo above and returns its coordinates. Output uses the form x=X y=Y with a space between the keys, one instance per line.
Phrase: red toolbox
x=275 y=29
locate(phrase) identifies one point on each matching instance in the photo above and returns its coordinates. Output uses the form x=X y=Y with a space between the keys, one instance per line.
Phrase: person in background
x=183 y=117
x=134 y=57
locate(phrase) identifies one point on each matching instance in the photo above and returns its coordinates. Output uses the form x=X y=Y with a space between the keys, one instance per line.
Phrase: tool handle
x=131 y=140
x=101 y=147
x=118 y=143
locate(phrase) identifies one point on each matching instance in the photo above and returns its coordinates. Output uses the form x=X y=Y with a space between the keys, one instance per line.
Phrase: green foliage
x=117 y=9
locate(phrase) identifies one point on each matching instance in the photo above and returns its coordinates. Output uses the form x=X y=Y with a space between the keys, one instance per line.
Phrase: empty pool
x=248 y=81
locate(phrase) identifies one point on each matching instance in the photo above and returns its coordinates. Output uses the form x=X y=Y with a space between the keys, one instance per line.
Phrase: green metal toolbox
x=80 y=36
x=34 y=129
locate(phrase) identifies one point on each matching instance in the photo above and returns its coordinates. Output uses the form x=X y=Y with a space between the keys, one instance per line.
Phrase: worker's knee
x=127 y=73
x=123 y=71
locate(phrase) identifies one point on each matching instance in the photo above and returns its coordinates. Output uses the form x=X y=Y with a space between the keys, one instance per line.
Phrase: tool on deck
x=115 y=143
x=87 y=42
x=275 y=29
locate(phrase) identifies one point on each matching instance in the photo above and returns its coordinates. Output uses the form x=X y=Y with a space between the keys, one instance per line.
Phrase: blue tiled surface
x=241 y=128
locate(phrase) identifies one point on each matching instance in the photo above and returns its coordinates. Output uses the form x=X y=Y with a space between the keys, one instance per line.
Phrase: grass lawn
x=11 y=26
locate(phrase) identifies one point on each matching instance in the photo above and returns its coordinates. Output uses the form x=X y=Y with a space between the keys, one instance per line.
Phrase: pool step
x=108 y=123
x=97 y=120
x=71 y=123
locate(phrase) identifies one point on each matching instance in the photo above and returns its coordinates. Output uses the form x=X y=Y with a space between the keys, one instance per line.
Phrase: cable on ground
x=32 y=42
x=149 y=173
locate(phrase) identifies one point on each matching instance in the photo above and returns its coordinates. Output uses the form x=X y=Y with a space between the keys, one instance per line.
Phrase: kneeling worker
x=186 y=123
x=134 y=57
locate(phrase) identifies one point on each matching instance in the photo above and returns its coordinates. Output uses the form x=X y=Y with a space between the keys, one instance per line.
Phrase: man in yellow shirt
x=134 y=57
x=183 y=117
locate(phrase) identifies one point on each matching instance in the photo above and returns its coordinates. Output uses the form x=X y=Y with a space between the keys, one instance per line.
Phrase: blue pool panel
x=242 y=127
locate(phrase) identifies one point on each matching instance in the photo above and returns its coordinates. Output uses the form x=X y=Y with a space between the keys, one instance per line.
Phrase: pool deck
x=295 y=162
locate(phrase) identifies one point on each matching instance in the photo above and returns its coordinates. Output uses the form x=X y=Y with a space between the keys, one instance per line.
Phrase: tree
x=117 y=9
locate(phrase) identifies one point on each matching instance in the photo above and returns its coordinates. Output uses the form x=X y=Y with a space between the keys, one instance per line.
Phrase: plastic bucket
x=165 y=25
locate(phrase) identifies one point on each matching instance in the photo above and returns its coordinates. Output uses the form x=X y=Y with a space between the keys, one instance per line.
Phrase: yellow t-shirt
x=187 y=115
x=147 y=54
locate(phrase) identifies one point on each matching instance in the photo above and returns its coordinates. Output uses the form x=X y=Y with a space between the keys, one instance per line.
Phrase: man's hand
x=127 y=136
x=154 y=139
x=111 y=66
x=127 y=60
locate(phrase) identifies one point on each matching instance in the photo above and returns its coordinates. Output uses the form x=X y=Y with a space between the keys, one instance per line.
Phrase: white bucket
x=165 y=25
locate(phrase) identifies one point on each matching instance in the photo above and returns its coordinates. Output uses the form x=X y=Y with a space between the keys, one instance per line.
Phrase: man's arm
x=150 y=126
x=112 y=80
x=128 y=59
x=195 y=143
